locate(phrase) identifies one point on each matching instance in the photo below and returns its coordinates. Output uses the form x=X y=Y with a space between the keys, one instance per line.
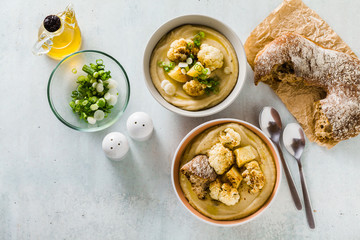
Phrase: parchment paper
x=295 y=16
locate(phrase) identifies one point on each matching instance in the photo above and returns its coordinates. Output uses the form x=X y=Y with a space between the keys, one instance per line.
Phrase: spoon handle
x=289 y=179
x=308 y=209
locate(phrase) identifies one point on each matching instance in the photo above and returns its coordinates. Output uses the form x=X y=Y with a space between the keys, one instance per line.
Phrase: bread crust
x=293 y=57
x=200 y=174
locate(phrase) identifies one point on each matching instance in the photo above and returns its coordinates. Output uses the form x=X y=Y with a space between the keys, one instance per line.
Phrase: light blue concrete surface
x=55 y=183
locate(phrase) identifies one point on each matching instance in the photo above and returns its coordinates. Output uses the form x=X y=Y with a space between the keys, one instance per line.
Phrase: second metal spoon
x=294 y=142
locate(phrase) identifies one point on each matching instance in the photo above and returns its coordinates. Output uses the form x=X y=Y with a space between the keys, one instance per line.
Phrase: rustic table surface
x=56 y=183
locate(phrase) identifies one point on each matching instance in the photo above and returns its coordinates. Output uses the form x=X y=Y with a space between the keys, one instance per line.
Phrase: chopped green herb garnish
x=89 y=70
x=89 y=96
x=198 y=37
x=190 y=45
x=99 y=62
x=166 y=66
x=212 y=84
x=197 y=42
x=198 y=67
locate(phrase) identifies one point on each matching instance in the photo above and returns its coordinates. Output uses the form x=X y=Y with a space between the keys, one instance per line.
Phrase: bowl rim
x=175 y=172
x=240 y=54
x=95 y=129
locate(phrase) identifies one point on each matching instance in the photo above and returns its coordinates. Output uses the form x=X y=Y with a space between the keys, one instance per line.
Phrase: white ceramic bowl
x=175 y=169
x=199 y=20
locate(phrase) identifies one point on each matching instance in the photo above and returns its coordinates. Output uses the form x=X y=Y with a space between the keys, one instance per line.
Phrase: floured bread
x=293 y=59
x=200 y=174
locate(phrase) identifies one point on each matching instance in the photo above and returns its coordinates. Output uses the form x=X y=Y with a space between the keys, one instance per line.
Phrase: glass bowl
x=62 y=82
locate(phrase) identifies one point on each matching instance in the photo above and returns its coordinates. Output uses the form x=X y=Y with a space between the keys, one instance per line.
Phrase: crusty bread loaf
x=293 y=58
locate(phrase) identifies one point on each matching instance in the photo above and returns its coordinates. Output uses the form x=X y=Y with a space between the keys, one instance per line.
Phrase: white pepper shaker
x=140 y=126
x=115 y=146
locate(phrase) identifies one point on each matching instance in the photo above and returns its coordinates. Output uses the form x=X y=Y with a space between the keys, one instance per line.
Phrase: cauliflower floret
x=230 y=138
x=224 y=193
x=215 y=188
x=220 y=158
x=180 y=49
x=229 y=195
x=194 y=88
x=210 y=57
x=253 y=176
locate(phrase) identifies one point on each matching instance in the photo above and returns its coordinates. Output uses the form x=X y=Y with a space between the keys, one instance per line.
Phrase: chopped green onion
x=74 y=71
x=212 y=84
x=87 y=98
x=94 y=107
x=101 y=102
x=99 y=87
x=99 y=115
x=88 y=70
x=161 y=64
x=72 y=104
x=198 y=37
x=93 y=66
x=197 y=43
x=83 y=115
x=165 y=66
x=91 y=120
x=81 y=78
x=197 y=67
x=93 y=99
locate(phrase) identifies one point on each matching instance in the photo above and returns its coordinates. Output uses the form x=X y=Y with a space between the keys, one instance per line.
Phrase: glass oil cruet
x=59 y=35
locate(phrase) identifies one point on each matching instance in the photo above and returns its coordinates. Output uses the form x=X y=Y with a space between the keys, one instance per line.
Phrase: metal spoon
x=270 y=123
x=294 y=142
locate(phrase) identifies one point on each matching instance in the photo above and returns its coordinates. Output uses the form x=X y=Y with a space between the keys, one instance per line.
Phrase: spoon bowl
x=270 y=123
x=294 y=140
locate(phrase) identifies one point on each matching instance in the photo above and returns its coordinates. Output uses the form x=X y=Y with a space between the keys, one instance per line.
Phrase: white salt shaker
x=140 y=126
x=115 y=146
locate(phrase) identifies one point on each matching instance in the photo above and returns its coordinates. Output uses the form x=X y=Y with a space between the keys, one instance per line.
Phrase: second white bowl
x=198 y=20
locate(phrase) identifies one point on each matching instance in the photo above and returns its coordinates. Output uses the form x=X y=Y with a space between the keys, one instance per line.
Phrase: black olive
x=52 y=23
